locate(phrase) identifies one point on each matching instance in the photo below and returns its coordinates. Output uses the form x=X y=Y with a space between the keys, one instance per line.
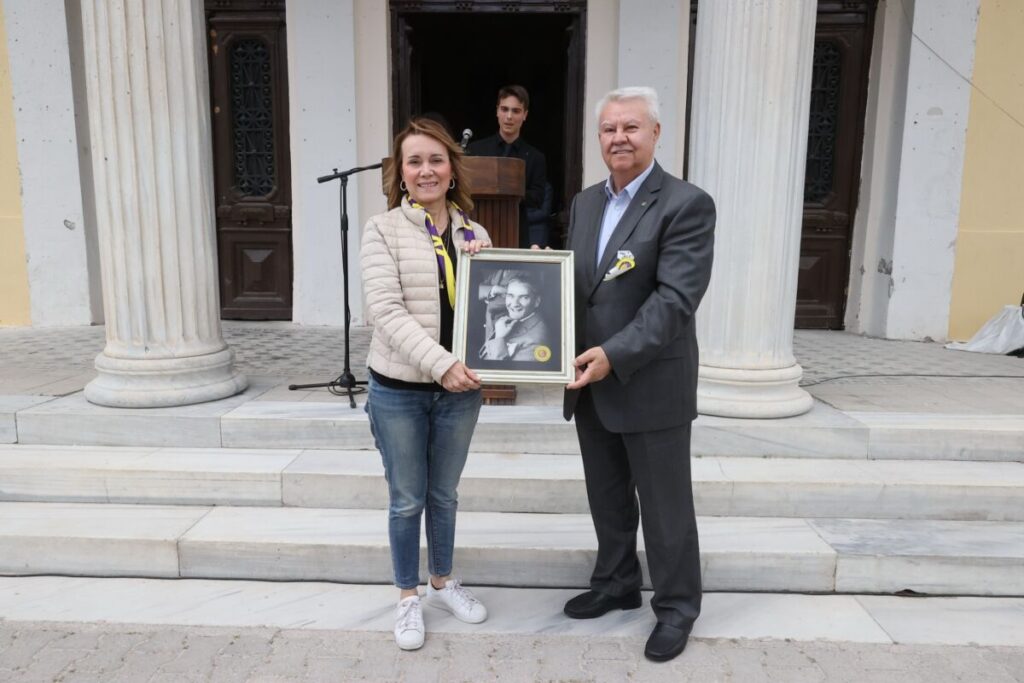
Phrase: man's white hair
x=648 y=95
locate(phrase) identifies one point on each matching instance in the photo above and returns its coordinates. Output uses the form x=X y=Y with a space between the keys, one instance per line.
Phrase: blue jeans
x=423 y=438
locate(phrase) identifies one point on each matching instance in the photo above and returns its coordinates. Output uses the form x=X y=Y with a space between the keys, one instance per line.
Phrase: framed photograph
x=514 y=319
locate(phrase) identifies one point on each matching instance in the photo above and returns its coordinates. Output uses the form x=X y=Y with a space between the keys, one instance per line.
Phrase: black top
x=447 y=312
x=447 y=330
x=536 y=173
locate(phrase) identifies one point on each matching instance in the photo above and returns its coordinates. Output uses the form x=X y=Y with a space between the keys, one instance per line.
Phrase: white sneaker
x=457 y=599
x=409 y=624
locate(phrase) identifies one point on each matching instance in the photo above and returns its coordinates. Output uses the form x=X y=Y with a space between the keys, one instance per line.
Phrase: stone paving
x=89 y=653
x=848 y=371
x=273 y=349
x=284 y=349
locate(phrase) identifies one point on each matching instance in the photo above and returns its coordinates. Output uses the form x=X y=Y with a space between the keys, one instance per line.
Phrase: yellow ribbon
x=449 y=277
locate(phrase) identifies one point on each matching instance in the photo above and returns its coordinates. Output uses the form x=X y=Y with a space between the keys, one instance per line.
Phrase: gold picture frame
x=515 y=316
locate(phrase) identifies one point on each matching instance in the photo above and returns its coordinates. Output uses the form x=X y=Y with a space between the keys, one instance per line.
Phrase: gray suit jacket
x=643 y=319
x=526 y=336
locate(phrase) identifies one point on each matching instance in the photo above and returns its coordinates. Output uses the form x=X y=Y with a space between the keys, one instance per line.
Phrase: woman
x=423 y=402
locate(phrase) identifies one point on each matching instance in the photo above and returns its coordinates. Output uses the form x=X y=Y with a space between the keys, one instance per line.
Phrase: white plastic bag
x=1002 y=334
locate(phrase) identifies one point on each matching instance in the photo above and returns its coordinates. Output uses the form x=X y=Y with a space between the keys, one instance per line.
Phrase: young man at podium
x=512 y=110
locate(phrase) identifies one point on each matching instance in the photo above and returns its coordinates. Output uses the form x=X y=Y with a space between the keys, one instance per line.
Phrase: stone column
x=149 y=124
x=748 y=136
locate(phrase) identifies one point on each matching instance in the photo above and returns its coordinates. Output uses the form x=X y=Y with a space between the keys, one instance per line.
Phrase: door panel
x=818 y=257
x=251 y=255
x=834 y=142
x=249 y=97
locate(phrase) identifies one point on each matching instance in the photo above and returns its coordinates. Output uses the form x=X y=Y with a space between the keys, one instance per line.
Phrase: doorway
x=451 y=58
x=251 y=169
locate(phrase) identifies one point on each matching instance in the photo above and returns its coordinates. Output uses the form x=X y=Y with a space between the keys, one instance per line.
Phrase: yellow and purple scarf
x=444 y=261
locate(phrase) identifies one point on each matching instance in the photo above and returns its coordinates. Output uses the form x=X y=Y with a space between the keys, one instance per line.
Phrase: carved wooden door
x=842 y=47
x=252 y=180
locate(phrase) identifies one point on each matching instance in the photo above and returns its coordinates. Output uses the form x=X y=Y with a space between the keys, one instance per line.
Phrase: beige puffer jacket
x=400 y=276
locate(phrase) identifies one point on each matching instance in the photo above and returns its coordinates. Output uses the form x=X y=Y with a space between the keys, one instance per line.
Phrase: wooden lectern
x=498 y=184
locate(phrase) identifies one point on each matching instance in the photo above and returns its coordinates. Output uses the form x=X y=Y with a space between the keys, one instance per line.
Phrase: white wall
x=653 y=43
x=874 y=223
x=322 y=112
x=905 y=232
x=373 y=115
x=62 y=291
x=602 y=73
x=92 y=240
x=931 y=171
x=637 y=42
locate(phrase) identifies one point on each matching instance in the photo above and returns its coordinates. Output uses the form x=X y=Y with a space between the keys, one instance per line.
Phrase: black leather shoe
x=666 y=642
x=593 y=604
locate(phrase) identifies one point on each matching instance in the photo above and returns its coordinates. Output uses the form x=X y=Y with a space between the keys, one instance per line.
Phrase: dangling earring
x=402 y=186
x=451 y=185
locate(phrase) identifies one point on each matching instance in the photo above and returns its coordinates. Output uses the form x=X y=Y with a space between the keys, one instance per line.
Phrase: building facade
x=881 y=141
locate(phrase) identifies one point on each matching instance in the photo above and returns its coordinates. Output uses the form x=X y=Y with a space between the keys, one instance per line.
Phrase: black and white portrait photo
x=516 y=313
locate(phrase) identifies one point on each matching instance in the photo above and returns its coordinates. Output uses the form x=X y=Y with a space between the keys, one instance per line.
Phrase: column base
x=164 y=382
x=734 y=392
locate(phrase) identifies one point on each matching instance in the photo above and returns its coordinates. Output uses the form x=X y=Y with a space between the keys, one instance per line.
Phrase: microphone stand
x=344 y=384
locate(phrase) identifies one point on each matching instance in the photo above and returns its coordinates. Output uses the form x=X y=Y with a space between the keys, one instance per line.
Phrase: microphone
x=466 y=135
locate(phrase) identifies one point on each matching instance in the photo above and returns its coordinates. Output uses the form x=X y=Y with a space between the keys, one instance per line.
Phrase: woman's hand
x=474 y=246
x=460 y=378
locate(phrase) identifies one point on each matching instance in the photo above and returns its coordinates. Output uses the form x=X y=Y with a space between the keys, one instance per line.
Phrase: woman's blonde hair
x=460 y=194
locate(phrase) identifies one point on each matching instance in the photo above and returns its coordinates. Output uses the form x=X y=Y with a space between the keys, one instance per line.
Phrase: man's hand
x=591 y=366
x=503 y=327
x=460 y=378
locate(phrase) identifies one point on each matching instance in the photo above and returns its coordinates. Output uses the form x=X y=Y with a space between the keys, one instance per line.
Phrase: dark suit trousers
x=655 y=465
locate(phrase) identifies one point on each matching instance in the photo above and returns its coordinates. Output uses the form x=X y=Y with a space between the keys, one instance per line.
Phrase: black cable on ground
x=829 y=379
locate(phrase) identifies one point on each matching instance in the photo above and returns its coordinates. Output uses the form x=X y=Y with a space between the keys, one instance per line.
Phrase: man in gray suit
x=643 y=242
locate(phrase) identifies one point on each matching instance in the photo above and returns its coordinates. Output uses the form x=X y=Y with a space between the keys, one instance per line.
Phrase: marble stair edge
x=240 y=422
x=498 y=482
x=742 y=554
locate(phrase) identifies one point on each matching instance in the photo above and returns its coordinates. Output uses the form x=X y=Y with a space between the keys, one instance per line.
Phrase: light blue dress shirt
x=616 y=206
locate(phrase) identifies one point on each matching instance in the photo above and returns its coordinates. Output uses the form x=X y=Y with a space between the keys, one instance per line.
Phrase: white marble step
x=10 y=405
x=242 y=422
x=509 y=549
x=723 y=486
x=171 y=476
x=496 y=482
x=315 y=606
x=508 y=482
